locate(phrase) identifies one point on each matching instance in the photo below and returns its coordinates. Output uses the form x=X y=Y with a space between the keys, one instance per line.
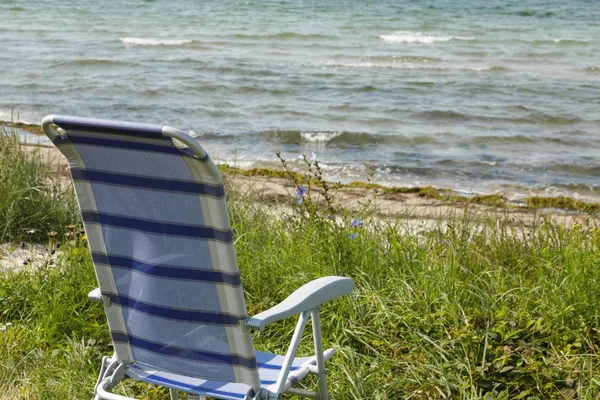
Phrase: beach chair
x=159 y=234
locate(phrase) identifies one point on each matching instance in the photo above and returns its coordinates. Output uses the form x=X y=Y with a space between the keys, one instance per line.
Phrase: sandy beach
x=422 y=208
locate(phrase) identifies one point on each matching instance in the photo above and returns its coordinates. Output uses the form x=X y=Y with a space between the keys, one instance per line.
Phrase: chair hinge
x=106 y=301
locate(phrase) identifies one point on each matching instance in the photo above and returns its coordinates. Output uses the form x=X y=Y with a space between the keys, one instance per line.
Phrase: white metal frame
x=47 y=127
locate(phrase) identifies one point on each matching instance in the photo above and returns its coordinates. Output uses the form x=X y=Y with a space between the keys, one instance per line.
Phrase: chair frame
x=305 y=302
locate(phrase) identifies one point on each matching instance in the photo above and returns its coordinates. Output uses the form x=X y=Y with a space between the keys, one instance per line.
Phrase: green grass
x=472 y=308
x=32 y=204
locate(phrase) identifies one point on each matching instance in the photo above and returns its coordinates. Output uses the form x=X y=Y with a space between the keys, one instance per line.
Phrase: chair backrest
x=158 y=230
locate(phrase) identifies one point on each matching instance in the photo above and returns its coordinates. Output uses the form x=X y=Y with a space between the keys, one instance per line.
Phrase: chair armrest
x=95 y=296
x=308 y=297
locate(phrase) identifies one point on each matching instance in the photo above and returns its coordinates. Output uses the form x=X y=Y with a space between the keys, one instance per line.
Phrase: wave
x=442 y=115
x=545 y=42
x=543 y=118
x=589 y=191
x=388 y=58
x=495 y=68
x=133 y=41
x=569 y=41
x=211 y=135
x=418 y=37
x=319 y=137
x=299 y=137
x=100 y=62
x=421 y=66
x=324 y=138
x=576 y=169
x=282 y=35
x=532 y=118
x=519 y=139
x=590 y=70
x=345 y=139
x=459 y=163
x=533 y=14
x=405 y=59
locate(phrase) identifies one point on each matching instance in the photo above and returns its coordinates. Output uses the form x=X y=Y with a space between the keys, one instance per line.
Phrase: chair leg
x=318 y=339
x=112 y=373
x=103 y=367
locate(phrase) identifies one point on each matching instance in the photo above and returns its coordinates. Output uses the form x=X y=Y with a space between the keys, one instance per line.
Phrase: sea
x=471 y=95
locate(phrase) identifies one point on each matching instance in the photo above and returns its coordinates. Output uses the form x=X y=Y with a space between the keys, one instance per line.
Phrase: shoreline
x=432 y=194
x=421 y=207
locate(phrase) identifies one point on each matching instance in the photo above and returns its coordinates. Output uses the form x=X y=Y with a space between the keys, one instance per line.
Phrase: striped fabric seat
x=158 y=230
x=269 y=366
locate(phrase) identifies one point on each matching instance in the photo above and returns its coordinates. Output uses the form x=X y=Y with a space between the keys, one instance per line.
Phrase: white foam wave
x=387 y=65
x=371 y=65
x=434 y=67
x=319 y=137
x=418 y=37
x=133 y=41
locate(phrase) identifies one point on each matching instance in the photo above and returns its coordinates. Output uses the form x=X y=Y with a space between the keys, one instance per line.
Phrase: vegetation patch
x=565 y=203
x=467 y=309
x=489 y=199
x=429 y=192
x=268 y=172
x=36 y=129
x=32 y=204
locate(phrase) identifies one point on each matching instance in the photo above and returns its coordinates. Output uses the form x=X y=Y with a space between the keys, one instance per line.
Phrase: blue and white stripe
x=269 y=367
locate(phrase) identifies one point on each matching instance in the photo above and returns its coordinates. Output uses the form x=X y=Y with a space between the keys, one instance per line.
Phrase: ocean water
x=487 y=97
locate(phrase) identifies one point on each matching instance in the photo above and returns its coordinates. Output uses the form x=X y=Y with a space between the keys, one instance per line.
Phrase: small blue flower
x=300 y=193
x=353 y=235
x=356 y=222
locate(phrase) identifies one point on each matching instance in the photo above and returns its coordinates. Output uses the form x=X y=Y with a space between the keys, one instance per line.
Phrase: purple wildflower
x=353 y=235
x=300 y=193
x=356 y=222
